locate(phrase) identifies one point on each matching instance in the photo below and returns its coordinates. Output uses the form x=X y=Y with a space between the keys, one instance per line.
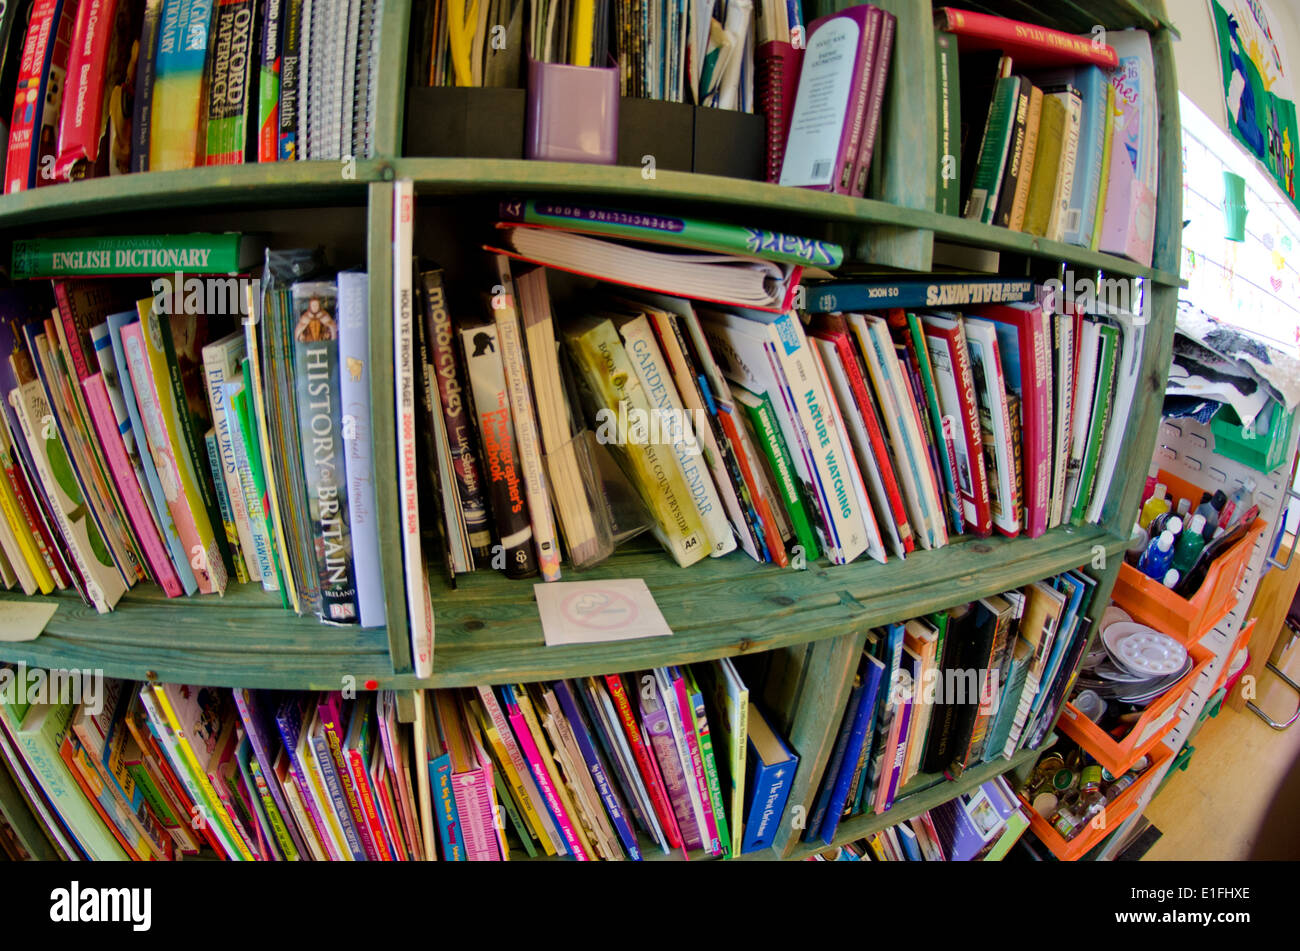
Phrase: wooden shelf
x=244 y=639
x=487 y=630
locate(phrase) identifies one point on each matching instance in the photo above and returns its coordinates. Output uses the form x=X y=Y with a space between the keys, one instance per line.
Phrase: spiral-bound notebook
x=778 y=77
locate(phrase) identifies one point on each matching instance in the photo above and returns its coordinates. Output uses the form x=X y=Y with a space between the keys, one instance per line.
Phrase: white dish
x=1153 y=654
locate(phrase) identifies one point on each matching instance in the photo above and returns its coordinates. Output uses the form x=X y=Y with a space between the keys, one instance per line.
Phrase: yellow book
x=1105 y=168
x=424 y=794
x=1032 y=123
x=548 y=760
x=24 y=540
x=629 y=423
x=209 y=566
x=212 y=803
x=513 y=779
x=1047 y=166
x=584 y=16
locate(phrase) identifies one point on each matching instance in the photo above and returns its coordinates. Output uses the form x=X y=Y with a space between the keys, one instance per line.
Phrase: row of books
x=837 y=433
x=141 y=442
x=947 y=692
x=1048 y=133
x=168 y=84
x=977 y=826
x=673 y=51
x=592 y=768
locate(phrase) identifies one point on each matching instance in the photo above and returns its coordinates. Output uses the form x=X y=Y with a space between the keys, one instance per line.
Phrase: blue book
x=771 y=766
x=844 y=296
x=175 y=547
x=607 y=743
x=450 y=835
x=835 y=766
x=907 y=839
x=1091 y=83
x=884 y=715
x=599 y=774
x=358 y=449
x=872 y=675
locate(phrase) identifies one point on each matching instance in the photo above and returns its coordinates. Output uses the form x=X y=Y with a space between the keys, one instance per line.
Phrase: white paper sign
x=592 y=612
x=24 y=620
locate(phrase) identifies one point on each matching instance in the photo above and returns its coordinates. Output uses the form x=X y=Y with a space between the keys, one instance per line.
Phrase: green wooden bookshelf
x=487 y=629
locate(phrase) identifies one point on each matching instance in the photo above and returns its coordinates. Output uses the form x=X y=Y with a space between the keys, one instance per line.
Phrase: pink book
x=105 y=423
x=672 y=770
x=875 y=102
x=880 y=799
x=516 y=757
x=686 y=716
x=361 y=781
x=381 y=783
x=160 y=447
x=538 y=769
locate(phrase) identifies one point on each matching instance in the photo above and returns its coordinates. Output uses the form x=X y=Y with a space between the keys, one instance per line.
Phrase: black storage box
x=464 y=122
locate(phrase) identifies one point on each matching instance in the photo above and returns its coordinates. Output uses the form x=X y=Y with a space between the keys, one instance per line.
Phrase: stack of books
x=1048 y=133
x=148 y=436
x=671 y=759
x=170 y=84
x=947 y=692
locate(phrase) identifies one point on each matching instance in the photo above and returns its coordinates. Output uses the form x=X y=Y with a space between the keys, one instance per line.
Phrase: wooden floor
x=1214 y=809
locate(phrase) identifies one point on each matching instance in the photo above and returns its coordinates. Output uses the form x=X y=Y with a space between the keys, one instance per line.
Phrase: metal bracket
x=1264 y=716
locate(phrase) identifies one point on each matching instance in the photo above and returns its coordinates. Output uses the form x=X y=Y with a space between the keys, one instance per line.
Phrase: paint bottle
x=1190 y=544
x=1158 y=504
x=1209 y=509
x=1155 y=560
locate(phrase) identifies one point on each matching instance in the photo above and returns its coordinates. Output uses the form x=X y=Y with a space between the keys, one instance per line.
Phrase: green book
x=668 y=228
x=921 y=353
x=134 y=254
x=705 y=740
x=253 y=450
x=1107 y=357
x=1047 y=166
x=948 y=186
x=982 y=203
x=763 y=418
x=223 y=505
x=1104 y=187
x=508 y=804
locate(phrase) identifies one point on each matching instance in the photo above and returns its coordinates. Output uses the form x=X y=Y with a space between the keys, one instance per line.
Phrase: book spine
x=21 y=160
x=1020 y=201
x=533 y=804
x=80 y=125
x=228 y=525
x=335 y=798
x=653 y=782
x=948 y=186
x=766 y=806
x=458 y=424
x=15 y=504
x=1012 y=169
x=1100 y=419
x=763 y=416
x=263 y=546
x=876 y=102
x=261 y=744
x=142 y=115
x=543 y=778
x=690 y=741
x=845 y=177
x=303 y=771
x=190 y=520
x=1061 y=217
x=268 y=83
x=279 y=830
x=231 y=49
x=675 y=429
x=985 y=26
x=291 y=84
x=178 y=84
x=524 y=421
x=981 y=203
x=671 y=767
x=358 y=448
x=316 y=362
x=369 y=812
x=129 y=490
x=219 y=364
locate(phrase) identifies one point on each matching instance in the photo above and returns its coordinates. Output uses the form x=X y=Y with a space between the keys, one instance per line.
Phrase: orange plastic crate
x=1070 y=850
x=1151 y=603
x=1242 y=640
x=1118 y=756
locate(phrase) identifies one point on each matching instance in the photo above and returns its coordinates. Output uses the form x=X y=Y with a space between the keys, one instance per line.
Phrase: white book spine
x=420 y=611
x=256 y=518
x=219 y=361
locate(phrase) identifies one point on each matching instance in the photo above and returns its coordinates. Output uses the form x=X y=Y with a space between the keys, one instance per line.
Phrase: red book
x=875 y=102
x=1028 y=44
x=953 y=359
x=36 y=104
x=777 y=66
x=68 y=753
x=644 y=763
x=1033 y=339
x=97 y=65
x=831 y=327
